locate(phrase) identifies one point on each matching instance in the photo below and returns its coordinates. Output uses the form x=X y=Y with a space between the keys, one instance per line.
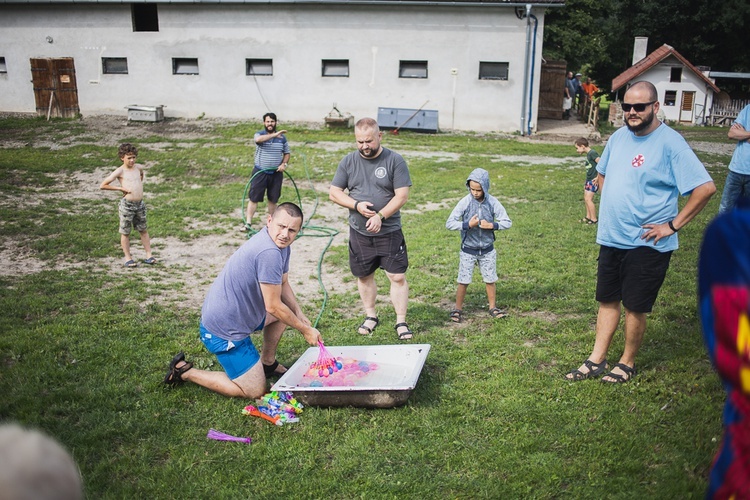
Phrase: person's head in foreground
x=33 y=466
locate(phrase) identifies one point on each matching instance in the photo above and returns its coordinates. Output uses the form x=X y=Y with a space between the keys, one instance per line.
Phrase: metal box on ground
x=421 y=120
x=399 y=367
x=145 y=113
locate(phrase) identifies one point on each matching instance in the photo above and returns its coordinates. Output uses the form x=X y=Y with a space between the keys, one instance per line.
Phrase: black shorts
x=367 y=253
x=263 y=182
x=632 y=276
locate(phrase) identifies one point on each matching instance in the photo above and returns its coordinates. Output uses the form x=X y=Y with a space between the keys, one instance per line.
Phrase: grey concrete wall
x=297 y=37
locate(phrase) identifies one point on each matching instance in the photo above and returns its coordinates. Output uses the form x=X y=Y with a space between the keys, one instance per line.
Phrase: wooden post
x=49 y=108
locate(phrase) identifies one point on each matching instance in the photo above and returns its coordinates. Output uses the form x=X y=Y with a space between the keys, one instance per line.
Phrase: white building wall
x=659 y=75
x=297 y=37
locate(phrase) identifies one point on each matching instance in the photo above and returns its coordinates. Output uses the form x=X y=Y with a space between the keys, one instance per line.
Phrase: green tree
x=599 y=35
x=571 y=33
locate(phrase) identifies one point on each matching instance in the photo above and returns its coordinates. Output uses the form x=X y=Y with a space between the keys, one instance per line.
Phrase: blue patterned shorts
x=487 y=266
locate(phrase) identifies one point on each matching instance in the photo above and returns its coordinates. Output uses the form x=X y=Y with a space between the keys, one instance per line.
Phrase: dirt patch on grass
x=191 y=266
x=186 y=266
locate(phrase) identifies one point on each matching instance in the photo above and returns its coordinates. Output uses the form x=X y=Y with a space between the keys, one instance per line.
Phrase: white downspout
x=524 y=108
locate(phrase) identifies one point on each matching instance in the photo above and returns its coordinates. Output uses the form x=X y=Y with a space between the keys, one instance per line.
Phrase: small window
x=336 y=67
x=145 y=17
x=670 y=97
x=184 y=66
x=493 y=70
x=262 y=67
x=3 y=67
x=412 y=69
x=675 y=75
x=115 y=65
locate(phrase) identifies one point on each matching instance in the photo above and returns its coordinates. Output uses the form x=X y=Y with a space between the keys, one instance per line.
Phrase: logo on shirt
x=638 y=161
x=380 y=172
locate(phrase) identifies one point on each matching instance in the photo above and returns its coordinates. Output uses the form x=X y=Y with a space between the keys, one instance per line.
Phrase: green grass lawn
x=85 y=347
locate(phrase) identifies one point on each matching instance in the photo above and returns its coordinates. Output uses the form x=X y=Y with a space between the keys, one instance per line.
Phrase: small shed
x=684 y=92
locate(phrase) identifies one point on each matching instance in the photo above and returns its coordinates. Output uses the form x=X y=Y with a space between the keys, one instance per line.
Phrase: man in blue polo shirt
x=271 y=159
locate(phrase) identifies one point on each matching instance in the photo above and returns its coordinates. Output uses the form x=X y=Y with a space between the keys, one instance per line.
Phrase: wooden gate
x=55 y=88
x=551 y=89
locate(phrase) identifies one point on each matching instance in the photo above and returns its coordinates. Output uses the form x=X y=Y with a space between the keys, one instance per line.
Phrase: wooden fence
x=723 y=114
x=589 y=111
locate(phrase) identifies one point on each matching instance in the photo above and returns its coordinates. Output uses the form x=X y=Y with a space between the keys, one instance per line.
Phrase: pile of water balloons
x=330 y=371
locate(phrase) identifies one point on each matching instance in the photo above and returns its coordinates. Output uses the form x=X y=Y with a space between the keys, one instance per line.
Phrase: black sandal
x=595 y=369
x=367 y=328
x=620 y=379
x=457 y=315
x=270 y=370
x=407 y=335
x=174 y=375
x=498 y=313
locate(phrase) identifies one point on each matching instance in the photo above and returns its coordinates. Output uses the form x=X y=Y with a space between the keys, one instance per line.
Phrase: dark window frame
x=252 y=64
x=334 y=68
x=494 y=70
x=186 y=61
x=108 y=69
x=670 y=98
x=413 y=69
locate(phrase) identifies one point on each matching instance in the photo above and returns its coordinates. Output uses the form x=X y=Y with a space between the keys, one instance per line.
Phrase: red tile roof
x=652 y=60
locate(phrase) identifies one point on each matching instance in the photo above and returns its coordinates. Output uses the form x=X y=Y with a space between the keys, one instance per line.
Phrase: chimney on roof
x=640 y=47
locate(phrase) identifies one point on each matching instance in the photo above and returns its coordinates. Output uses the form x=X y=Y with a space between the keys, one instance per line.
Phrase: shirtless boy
x=132 y=207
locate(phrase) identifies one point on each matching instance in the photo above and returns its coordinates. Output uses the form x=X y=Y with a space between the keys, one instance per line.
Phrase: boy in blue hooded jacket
x=477 y=215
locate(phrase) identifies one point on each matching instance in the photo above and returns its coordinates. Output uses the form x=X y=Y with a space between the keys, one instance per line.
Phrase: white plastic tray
x=391 y=384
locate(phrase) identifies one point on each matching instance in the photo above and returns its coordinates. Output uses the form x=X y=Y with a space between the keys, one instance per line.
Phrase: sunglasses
x=639 y=108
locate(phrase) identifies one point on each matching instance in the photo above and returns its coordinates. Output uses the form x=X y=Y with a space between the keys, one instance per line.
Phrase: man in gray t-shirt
x=251 y=293
x=373 y=183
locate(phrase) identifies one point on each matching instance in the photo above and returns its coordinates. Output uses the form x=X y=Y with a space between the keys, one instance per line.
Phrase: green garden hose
x=307 y=229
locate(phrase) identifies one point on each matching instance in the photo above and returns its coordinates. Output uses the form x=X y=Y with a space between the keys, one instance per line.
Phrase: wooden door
x=686 y=107
x=55 y=88
x=551 y=89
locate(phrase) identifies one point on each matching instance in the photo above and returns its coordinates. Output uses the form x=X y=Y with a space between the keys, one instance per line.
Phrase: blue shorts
x=236 y=356
x=590 y=186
